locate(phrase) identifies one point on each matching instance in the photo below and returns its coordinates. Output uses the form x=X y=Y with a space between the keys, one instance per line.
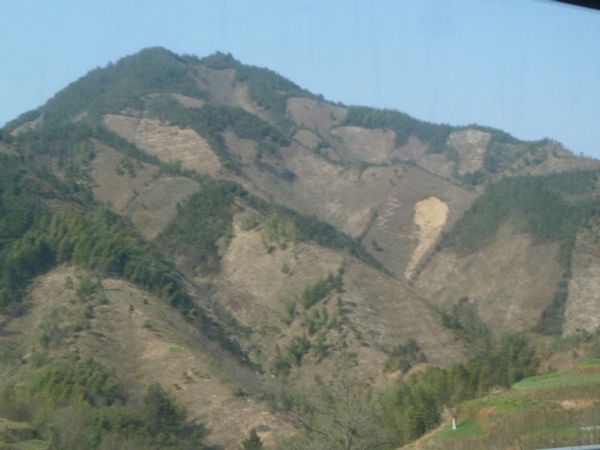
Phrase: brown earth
x=377 y=309
x=169 y=143
x=582 y=311
x=136 y=190
x=511 y=281
x=145 y=340
x=430 y=217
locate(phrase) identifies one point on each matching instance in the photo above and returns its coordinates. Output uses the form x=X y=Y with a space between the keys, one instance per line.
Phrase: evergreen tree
x=253 y=441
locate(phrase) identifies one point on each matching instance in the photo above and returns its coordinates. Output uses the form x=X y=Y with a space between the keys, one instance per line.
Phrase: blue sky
x=530 y=67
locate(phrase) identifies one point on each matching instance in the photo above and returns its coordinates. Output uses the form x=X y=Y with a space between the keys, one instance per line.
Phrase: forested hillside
x=198 y=253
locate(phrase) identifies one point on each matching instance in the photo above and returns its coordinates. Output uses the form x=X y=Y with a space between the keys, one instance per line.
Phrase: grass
x=463 y=430
x=176 y=349
x=35 y=444
x=19 y=435
x=504 y=403
x=561 y=379
x=530 y=415
x=590 y=362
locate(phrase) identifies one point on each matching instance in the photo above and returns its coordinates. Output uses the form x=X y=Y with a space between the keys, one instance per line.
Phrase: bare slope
x=510 y=281
x=374 y=312
x=137 y=190
x=144 y=341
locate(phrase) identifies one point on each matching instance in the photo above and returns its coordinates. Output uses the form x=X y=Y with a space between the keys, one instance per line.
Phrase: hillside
x=244 y=235
x=555 y=409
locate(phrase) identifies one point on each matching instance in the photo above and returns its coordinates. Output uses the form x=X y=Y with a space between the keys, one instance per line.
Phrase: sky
x=529 y=67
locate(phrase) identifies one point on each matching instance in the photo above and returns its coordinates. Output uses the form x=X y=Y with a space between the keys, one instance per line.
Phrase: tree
x=253 y=441
x=339 y=414
x=162 y=413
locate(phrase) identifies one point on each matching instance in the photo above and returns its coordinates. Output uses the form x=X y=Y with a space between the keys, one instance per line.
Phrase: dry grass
x=135 y=334
x=168 y=143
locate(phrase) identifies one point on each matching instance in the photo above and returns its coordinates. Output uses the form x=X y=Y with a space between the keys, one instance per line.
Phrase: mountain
x=230 y=235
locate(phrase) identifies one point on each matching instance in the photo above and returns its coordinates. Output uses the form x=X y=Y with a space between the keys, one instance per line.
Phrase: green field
x=562 y=379
x=464 y=430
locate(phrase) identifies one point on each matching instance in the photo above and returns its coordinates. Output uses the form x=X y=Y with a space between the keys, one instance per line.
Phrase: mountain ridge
x=292 y=231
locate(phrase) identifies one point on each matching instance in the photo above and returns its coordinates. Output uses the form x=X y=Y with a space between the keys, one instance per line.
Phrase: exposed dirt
x=556 y=159
x=222 y=87
x=307 y=138
x=583 y=309
x=431 y=215
x=6 y=149
x=168 y=143
x=135 y=190
x=363 y=144
x=27 y=126
x=145 y=341
x=154 y=207
x=111 y=184
x=471 y=147
x=315 y=115
x=189 y=102
x=378 y=308
x=578 y=404
x=511 y=281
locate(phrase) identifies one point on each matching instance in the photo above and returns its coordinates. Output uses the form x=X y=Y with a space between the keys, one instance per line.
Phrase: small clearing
x=168 y=143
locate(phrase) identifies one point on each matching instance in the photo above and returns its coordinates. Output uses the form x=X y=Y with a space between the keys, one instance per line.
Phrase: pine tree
x=253 y=441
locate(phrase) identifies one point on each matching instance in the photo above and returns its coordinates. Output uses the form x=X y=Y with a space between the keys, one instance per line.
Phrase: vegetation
x=288 y=224
x=71 y=145
x=342 y=412
x=404 y=356
x=269 y=89
x=402 y=125
x=203 y=219
x=47 y=219
x=550 y=208
x=121 y=85
x=211 y=121
x=253 y=441
x=33 y=239
x=541 y=411
x=541 y=206
x=316 y=292
x=81 y=406
x=416 y=403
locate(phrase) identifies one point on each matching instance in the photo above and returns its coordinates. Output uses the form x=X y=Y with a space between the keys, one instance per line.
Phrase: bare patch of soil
x=145 y=340
x=511 y=281
x=471 y=147
x=363 y=144
x=314 y=114
x=430 y=217
x=168 y=143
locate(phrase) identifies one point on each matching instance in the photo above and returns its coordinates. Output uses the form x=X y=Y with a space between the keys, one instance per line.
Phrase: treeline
x=34 y=239
x=72 y=146
x=402 y=125
x=550 y=208
x=211 y=121
x=123 y=84
x=83 y=406
x=286 y=224
x=101 y=242
x=417 y=403
x=269 y=89
x=345 y=410
x=203 y=219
